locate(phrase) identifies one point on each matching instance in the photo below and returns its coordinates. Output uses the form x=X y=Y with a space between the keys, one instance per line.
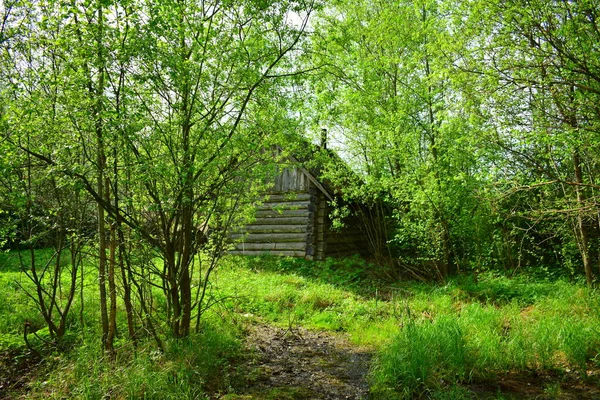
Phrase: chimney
x=324 y=138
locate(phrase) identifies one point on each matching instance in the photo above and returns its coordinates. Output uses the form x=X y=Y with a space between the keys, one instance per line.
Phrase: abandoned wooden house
x=294 y=219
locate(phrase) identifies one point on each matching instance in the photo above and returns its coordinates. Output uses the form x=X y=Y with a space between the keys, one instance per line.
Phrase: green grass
x=430 y=340
x=15 y=305
x=188 y=368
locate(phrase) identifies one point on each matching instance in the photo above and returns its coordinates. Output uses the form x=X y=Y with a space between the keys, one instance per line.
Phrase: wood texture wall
x=346 y=242
x=293 y=220
x=284 y=221
x=290 y=179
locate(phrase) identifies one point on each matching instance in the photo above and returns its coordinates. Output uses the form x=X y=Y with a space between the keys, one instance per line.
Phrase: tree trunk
x=101 y=181
x=102 y=265
x=582 y=230
x=112 y=288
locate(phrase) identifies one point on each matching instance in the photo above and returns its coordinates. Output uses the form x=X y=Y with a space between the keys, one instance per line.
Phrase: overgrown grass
x=16 y=307
x=189 y=368
x=429 y=338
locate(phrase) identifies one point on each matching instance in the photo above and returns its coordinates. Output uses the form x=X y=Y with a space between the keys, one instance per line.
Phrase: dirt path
x=301 y=364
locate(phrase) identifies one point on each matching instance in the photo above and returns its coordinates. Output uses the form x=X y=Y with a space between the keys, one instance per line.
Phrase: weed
x=553 y=390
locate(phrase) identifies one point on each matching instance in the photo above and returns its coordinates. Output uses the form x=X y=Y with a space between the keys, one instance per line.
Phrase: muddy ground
x=17 y=369
x=296 y=363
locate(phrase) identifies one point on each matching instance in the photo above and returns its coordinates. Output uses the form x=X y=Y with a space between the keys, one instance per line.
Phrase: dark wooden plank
x=290 y=179
x=284 y=253
x=271 y=246
x=282 y=213
x=331 y=239
x=292 y=196
x=281 y=221
x=270 y=237
x=274 y=228
x=278 y=205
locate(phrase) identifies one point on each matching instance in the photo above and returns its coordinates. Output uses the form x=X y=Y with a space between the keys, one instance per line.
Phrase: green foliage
x=430 y=339
x=189 y=368
x=150 y=120
x=393 y=100
x=500 y=289
x=471 y=128
x=16 y=306
x=421 y=355
x=475 y=123
x=347 y=272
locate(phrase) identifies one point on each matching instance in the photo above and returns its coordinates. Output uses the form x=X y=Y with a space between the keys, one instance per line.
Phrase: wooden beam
x=271 y=246
x=280 y=221
x=284 y=253
x=274 y=228
x=290 y=205
x=286 y=197
x=270 y=237
x=314 y=180
x=317 y=183
x=282 y=213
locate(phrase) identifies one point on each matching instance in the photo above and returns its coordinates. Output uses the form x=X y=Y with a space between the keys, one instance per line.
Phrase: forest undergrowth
x=492 y=336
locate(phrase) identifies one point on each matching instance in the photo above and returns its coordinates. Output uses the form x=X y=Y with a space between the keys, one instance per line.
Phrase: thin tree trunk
x=100 y=184
x=438 y=202
x=112 y=288
x=125 y=268
x=102 y=266
x=581 y=230
x=581 y=227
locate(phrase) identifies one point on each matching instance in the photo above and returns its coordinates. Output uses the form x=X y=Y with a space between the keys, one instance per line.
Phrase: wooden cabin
x=293 y=219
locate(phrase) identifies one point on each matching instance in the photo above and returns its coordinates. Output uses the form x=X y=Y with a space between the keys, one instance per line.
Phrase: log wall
x=321 y=219
x=293 y=220
x=283 y=225
x=289 y=180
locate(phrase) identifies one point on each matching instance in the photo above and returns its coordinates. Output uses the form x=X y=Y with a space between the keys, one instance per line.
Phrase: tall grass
x=557 y=331
x=189 y=369
x=421 y=351
x=429 y=339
